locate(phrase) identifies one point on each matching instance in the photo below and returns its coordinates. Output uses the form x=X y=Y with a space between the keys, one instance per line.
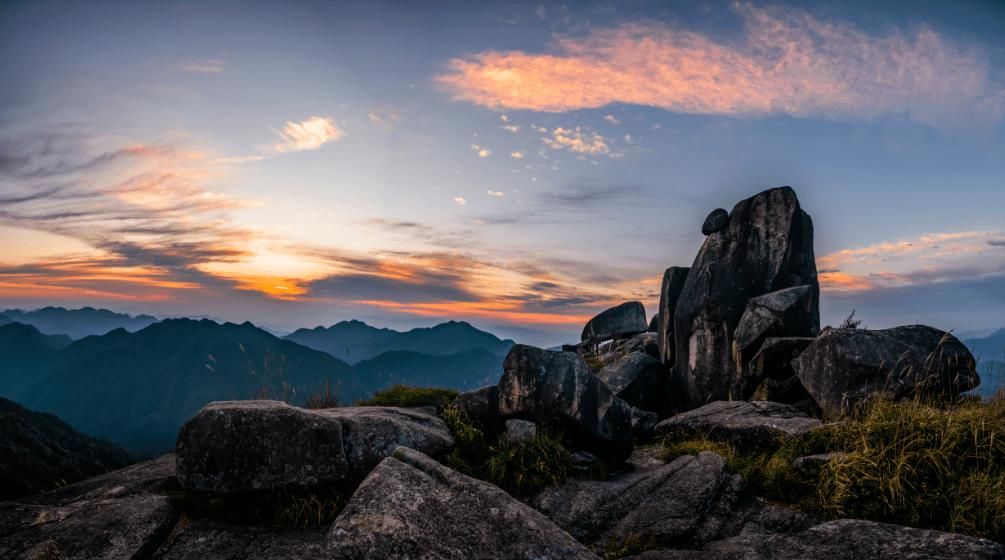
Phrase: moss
x=919 y=464
x=406 y=396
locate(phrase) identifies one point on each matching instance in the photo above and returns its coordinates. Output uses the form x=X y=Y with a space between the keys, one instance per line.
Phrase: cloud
x=309 y=134
x=517 y=154
x=578 y=141
x=510 y=128
x=612 y=119
x=589 y=195
x=495 y=193
x=204 y=66
x=996 y=242
x=482 y=152
x=785 y=62
x=387 y=118
x=459 y=200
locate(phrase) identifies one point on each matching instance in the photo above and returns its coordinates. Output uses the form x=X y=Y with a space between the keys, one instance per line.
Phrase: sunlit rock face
x=766 y=246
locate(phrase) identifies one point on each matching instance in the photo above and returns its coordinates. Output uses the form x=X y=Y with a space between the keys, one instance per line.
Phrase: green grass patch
x=522 y=469
x=406 y=396
x=919 y=464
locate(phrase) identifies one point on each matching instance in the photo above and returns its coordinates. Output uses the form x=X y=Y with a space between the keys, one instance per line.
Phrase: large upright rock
x=621 y=320
x=412 y=507
x=559 y=389
x=844 y=366
x=673 y=283
x=241 y=446
x=639 y=380
x=767 y=246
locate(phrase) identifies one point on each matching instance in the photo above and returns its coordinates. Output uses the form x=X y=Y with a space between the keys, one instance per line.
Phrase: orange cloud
x=309 y=134
x=787 y=62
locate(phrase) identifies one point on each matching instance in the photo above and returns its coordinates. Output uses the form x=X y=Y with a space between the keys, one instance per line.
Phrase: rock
x=520 y=430
x=654 y=324
x=643 y=424
x=844 y=366
x=558 y=388
x=684 y=504
x=646 y=343
x=412 y=507
x=673 y=283
x=639 y=380
x=584 y=463
x=120 y=515
x=849 y=539
x=785 y=313
x=482 y=407
x=747 y=425
x=766 y=247
x=787 y=391
x=775 y=358
x=625 y=319
x=811 y=465
x=715 y=222
x=239 y=446
x=208 y=538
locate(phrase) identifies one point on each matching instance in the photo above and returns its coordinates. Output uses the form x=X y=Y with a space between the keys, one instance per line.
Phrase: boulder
x=482 y=408
x=683 y=504
x=715 y=221
x=747 y=425
x=673 y=283
x=559 y=389
x=646 y=343
x=852 y=539
x=643 y=424
x=775 y=358
x=767 y=246
x=622 y=320
x=811 y=465
x=412 y=507
x=584 y=463
x=240 y=446
x=120 y=515
x=654 y=324
x=518 y=431
x=639 y=380
x=785 y=313
x=210 y=538
x=845 y=366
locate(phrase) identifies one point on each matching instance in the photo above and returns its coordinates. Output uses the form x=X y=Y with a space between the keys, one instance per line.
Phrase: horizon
x=520 y=167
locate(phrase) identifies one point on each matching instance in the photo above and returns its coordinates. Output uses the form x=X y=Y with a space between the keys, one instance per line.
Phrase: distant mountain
x=355 y=341
x=138 y=388
x=40 y=452
x=464 y=370
x=78 y=323
x=26 y=356
x=991 y=347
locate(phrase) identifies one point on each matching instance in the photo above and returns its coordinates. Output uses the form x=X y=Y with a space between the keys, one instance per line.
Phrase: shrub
x=406 y=396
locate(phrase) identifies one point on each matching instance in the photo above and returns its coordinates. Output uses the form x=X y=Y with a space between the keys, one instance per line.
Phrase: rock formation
x=619 y=321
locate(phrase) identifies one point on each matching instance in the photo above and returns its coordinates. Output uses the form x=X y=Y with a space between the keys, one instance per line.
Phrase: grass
x=522 y=469
x=316 y=506
x=326 y=397
x=406 y=396
x=912 y=463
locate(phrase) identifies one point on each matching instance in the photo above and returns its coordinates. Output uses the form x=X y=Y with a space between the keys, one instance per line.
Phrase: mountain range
x=137 y=388
x=355 y=341
x=76 y=323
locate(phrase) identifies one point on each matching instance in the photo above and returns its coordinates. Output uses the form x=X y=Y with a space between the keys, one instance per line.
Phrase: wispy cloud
x=786 y=62
x=204 y=66
x=582 y=195
x=309 y=134
x=578 y=141
x=460 y=201
x=496 y=194
x=517 y=155
x=481 y=151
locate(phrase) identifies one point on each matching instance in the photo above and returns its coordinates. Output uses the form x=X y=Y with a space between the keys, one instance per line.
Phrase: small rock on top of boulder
x=412 y=507
x=559 y=389
x=716 y=220
x=621 y=320
x=844 y=366
x=748 y=425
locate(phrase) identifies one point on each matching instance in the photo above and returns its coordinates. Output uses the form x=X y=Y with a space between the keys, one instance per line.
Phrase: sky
x=521 y=166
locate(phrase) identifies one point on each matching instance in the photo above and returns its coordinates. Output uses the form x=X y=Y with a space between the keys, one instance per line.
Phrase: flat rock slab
x=685 y=503
x=749 y=425
x=207 y=538
x=411 y=507
x=240 y=446
x=120 y=515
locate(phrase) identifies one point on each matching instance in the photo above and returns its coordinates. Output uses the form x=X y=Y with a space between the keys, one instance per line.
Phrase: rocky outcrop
x=410 y=506
x=673 y=283
x=849 y=539
x=715 y=221
x=212 y=539
x=684 y=504
x=120 y=515
x=639 y=380
x=747 y=425
x=558 y=388
x=626 y=319
x=766 y=246
x=241 y=446
x=482 y=406
x=842 y=367
x=518 y=431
